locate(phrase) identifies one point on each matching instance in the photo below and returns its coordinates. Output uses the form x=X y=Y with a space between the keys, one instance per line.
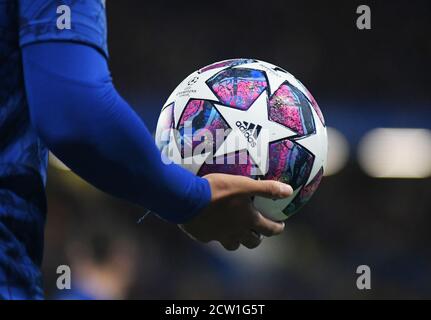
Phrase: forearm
x=79 y=115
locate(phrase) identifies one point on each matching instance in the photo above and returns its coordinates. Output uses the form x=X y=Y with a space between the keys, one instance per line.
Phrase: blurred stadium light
x=338 y=152
x=396 y=153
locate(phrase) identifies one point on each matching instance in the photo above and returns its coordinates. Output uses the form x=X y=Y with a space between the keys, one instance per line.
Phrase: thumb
x=224 y=185
x=271 y=189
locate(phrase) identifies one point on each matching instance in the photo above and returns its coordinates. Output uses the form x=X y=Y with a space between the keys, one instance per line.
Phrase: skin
x=230 y=218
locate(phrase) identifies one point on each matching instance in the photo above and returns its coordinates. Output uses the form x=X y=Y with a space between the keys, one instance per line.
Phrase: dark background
x=361 y=79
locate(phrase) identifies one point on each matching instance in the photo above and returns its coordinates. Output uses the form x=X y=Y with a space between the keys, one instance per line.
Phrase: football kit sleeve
x=77 y=112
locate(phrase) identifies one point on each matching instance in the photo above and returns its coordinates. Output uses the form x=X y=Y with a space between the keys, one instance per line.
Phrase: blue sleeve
x=77 y=112
x=39 y=21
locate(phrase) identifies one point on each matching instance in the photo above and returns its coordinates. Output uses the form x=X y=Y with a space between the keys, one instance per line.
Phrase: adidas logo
x=250 y=130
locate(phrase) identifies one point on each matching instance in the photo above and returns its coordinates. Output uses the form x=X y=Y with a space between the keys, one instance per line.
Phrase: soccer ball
x=250 y=118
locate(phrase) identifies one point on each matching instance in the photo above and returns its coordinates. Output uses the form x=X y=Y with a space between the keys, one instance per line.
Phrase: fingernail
x=285 y=189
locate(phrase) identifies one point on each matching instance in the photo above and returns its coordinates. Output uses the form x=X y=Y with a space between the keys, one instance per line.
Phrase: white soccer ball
x=251 y=118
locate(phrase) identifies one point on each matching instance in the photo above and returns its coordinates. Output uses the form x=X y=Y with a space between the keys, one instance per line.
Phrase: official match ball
x=251 y=118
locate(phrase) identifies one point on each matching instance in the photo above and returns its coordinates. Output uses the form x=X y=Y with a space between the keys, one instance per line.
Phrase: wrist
x=200 y=192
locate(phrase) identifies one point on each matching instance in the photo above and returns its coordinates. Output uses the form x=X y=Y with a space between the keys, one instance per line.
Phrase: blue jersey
x=23 y=157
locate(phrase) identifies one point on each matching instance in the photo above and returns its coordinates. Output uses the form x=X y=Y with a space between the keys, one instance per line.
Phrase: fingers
x=264 y=188
x=252 y=240
x=229 y=185
x=271 y=189
x=230 y=245
x=265 y=226
x=256 y=226
x=231 y=216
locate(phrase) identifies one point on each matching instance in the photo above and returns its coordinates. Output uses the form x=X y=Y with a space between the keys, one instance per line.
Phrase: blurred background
x=373 y=208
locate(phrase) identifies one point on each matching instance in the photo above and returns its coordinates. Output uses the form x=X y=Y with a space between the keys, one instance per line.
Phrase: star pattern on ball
x=252 y=131
x=193 y=87
x=271 y=122
x=275 y=78
x=316 y=141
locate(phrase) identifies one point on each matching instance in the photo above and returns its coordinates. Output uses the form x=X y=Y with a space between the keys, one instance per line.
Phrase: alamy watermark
x=363 y=22
x=363 y=282
x=64 y=20
x=64 y=280
x=188 y=146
